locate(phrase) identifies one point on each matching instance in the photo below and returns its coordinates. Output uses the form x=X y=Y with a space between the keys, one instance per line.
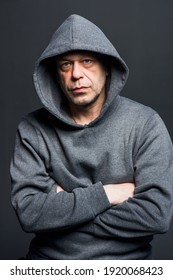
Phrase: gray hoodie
x=128 y=142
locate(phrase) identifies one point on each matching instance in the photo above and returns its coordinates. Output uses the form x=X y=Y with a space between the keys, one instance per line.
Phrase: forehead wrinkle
x=80 y=54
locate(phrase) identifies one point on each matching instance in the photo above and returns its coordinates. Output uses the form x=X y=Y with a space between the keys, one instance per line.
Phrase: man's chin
x=84 y=102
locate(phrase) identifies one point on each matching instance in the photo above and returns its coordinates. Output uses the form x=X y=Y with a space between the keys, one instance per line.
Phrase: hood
x=75 y=33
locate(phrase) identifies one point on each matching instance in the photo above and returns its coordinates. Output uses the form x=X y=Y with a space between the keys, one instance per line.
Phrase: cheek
x=63 y=81
x=99 y=80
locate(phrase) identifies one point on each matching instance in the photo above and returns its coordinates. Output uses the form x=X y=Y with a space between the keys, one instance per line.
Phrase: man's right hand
x=59 y=189
x=118 y=193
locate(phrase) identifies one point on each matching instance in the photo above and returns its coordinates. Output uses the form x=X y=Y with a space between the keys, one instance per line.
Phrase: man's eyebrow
x=62 y=58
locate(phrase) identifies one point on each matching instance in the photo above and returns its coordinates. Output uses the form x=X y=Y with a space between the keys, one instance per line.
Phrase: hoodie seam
x=37 y=136
x=142 y=133
x=72 y=30
x=36 y=81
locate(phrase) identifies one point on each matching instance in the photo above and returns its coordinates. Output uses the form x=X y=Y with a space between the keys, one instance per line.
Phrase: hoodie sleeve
x=150 y=210
x=34 y=197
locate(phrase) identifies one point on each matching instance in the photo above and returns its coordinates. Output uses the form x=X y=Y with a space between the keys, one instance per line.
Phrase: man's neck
x=84 y=115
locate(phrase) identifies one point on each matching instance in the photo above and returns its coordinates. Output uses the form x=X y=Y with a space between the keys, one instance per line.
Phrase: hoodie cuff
x=97 y=198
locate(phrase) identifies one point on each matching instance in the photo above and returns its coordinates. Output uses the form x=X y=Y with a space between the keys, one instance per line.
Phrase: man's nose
x=77 y=72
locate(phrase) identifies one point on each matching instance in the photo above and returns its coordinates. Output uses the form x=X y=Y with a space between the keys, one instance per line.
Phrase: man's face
x=82 y=78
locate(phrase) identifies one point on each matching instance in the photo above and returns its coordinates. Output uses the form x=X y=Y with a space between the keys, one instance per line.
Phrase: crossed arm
x=116 y=193
x=113 y=209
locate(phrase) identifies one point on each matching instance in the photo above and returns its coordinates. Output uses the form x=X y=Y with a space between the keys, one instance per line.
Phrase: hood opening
x=75 y=35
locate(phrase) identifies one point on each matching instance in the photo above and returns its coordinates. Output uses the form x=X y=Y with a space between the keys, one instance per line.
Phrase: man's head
x=81 y=50
x=82 y=77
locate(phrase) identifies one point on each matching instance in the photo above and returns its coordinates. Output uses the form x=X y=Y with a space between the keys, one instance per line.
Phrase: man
x=92 y=171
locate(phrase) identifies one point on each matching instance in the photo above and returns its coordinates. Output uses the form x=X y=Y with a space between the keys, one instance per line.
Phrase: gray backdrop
x=141 y=31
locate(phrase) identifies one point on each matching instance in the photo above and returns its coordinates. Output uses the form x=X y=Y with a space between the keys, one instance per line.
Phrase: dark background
x=142 y=33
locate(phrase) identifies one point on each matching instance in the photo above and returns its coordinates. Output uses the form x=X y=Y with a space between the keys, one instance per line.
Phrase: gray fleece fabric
x=128 y=142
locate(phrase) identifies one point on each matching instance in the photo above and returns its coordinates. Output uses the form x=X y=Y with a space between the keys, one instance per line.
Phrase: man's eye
x=87 y=61
x=64 y=65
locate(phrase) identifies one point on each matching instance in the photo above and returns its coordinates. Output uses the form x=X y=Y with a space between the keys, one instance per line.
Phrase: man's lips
x=79 y=89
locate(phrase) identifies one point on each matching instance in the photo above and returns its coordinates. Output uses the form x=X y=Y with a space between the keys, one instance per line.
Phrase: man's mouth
x=79 y=89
